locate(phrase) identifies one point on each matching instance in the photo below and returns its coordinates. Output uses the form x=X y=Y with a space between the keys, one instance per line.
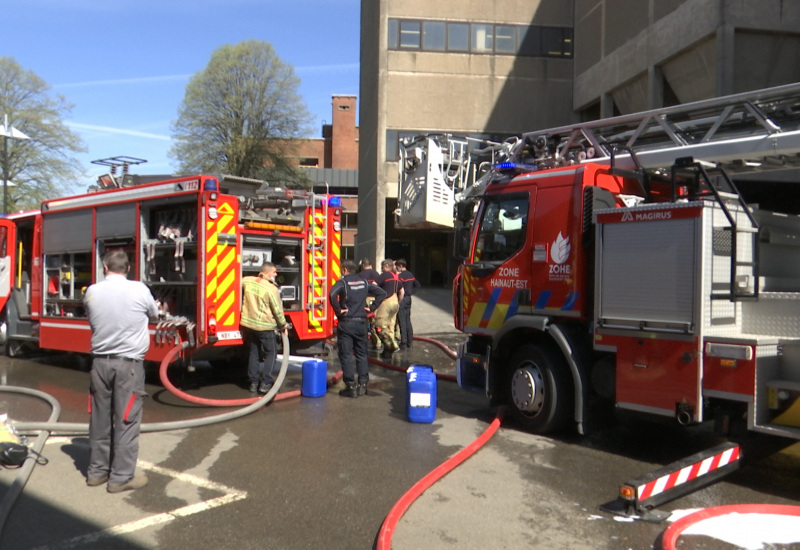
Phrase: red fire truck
x=647 y=263
x=190 y=239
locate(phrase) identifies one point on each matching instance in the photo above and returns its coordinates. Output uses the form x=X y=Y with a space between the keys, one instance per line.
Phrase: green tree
x=41 y=167
x=239 y=115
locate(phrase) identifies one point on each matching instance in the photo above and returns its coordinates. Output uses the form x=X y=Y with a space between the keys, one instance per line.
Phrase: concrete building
x=468 y=67
x=635 y=55
x=494 y=69
x=338 y=147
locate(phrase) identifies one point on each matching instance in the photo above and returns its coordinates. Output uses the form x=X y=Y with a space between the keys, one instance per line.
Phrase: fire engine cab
x=647 y=263
x=190 y=240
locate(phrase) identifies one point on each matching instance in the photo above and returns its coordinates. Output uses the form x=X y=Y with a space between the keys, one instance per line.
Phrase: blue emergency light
x=515 y=167
x=211 y=184
x=335 y=201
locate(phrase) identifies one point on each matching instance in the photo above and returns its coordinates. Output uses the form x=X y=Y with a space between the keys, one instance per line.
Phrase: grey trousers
x=117 y=392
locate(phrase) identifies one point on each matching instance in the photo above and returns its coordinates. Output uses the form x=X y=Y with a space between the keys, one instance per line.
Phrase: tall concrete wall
x=632 y=55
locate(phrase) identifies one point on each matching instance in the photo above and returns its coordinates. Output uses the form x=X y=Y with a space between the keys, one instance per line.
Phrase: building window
x=457 y=37
x=505 y=39
x=556 y=43
x=308 y=161
x=546 y=42
x=530 y=42
x=409 y=34
x=393 y=32
x=433 y=36
x=350 y=220
x=481 y=38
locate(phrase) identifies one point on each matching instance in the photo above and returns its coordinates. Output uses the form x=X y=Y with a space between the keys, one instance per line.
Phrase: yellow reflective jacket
x=262 y=308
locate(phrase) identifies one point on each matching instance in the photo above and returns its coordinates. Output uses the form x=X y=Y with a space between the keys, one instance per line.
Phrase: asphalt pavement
x=325 y=472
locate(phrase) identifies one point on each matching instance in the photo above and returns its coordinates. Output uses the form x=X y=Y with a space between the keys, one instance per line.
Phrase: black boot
x=362 y=388
x=350 y=390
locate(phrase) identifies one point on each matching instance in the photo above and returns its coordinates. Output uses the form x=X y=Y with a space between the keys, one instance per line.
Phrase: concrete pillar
x=725 y=57
x=606 y=105
x=655 y=87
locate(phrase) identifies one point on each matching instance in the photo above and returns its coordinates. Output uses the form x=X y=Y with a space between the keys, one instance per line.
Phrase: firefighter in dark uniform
x=348 y=297
x=410 y=286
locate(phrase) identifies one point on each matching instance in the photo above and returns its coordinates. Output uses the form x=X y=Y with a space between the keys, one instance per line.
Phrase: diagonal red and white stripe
x=689 y=473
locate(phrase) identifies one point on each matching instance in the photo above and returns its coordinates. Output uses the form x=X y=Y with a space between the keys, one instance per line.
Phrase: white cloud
x=123 y=81
x=310 y=69
x=123 y=131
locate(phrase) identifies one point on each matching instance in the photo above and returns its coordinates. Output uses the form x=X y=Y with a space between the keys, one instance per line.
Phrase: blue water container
x=315 y=378
x=421 y=390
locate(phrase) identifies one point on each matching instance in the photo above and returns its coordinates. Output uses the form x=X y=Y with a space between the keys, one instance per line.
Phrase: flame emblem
x=559 y=251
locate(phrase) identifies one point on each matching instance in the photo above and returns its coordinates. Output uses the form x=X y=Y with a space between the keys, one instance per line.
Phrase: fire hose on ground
x=250 y=405
x=44 y=429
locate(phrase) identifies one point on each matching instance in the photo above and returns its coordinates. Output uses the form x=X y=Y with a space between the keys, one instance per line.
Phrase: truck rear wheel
x=540 y=390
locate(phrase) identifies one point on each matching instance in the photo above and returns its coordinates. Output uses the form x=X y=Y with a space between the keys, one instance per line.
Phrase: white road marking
x=229 y=495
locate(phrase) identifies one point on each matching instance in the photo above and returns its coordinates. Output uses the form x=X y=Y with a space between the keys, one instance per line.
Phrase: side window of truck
x=502 y=229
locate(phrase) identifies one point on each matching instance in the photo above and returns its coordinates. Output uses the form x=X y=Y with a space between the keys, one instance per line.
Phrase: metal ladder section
x=744 y=132
x=704 y=183
x=317 y=245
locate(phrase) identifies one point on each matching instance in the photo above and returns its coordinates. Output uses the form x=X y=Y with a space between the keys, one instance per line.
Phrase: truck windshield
x=502 y=228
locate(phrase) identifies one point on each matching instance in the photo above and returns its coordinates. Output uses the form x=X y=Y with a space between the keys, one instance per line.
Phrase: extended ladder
x=750 y=131
x=746 y=132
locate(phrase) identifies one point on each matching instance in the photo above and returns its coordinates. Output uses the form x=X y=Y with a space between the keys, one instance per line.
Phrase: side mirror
x=461 y=243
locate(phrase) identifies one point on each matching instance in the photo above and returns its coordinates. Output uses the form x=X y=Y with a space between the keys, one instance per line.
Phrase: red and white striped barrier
x=638 y=497
x=689 y=473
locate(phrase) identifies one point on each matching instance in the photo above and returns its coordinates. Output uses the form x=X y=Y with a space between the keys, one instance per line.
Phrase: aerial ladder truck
x=646 y=264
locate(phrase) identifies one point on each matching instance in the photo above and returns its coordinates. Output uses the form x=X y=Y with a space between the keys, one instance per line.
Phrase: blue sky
x=124 y=64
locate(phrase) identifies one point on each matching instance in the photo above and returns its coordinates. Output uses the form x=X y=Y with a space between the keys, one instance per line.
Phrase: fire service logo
x=559 y=253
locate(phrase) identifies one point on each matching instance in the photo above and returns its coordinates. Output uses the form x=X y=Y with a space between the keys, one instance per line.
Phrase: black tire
x=539 y=390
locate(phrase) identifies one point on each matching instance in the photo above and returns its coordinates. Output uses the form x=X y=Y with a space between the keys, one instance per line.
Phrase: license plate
x=230 y=335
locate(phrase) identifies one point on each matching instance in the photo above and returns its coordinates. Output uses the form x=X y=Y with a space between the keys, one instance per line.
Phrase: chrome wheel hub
x=527 y=390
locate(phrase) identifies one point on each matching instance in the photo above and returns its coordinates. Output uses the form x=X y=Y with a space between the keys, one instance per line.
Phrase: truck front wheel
x=540 y=389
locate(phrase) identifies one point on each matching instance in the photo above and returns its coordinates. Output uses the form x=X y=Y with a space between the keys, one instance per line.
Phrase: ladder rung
x=740 y=229
x=740 y=296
